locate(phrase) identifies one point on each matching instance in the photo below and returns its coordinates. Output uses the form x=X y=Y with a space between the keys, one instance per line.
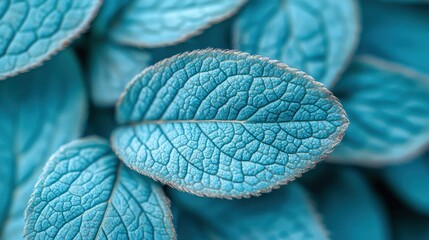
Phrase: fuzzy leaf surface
x=32 y=31
x=225 y=124
x=85 y=192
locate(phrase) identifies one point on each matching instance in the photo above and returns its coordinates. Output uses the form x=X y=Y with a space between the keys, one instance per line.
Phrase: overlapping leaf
x=39 y=111
x=283 y=214
x=85 y=192
x=225 y=124
x=389 y=112
x=317 y=37
x=350 y=208
x=155 y=23
x=32 y=31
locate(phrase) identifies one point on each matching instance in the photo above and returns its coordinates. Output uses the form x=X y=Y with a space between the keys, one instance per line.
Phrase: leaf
x=32 y=31
x=85 y=192
x=318 y=37
x=410 y=182
x=225 y=124
x=152 y=23
x=111 y=67
x=350 y=208
x=388 y=111
x=39 y=111
x=282 y=214
x=388 y=28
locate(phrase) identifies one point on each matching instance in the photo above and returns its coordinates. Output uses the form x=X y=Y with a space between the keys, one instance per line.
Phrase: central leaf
x=225 y=124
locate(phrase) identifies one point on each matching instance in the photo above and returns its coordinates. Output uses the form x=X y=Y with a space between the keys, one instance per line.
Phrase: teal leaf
x=39 y=111
x=225 y=124
x=112 y=66
x=283 y=214
x=410 y=182
x=153 y=23
x=350 y=208
x=84 y=192
x=396 y=32
x=32 y=31
x=318 y=37
x=388 y=109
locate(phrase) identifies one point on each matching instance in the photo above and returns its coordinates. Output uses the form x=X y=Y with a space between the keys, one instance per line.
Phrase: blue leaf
x=396 y=32
x=153 y=23
x=32 y=31
x=39 y=111
x=410 y=181
x=350 y=208
x=112 y=66
x=389 y=112
x=318 y=37
x=84 y=192
x=283 y=214
x=225 y=124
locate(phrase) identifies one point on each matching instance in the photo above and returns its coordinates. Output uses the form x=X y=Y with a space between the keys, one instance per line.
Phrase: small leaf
x=350 y=208
x=389 y=112
x=318 y=37
x=111 y=67
x=283 y=214
x=153 y=23
x=39 y=111
x=85 y=192
x=225 y=124
x=410 y=181
x=396 y=32
x=32 y=31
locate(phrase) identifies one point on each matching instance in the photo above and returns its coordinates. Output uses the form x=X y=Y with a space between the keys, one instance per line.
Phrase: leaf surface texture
x=225 y=124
